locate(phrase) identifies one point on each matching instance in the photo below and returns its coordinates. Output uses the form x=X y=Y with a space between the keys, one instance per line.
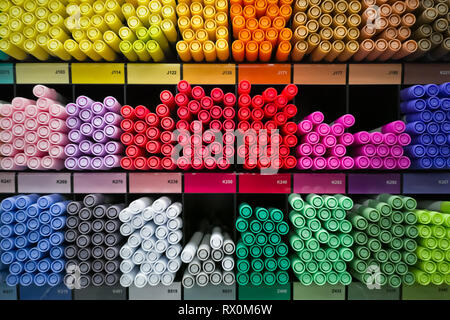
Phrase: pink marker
x=6 y=136
x=329 y=141
x=382 y=150
x=50 y=163
x=98 y=122
x=43 y=145
x=31 y=124
x=311 y=138
x=112 y=161
x=337 y=129
x=58 y=111
x=98 y=150
x=404 y=139
x=362 y=137
x=304 y=149
x=76 y=136
x=333 y=163
x=84 y=102
x=315 y=117
x=113 y=147
x=41 y=91
x=396 y=151
x=85 y=146
x=6 y=123
x=57 y=152
x=18 y=130
x=58 y=125
x=34 y=163
x=31 y=137
x=31 y=150
x=43 y=132
x=72 y=109
x=346 y=139
x=112 y=104
x=390 y=139
x=304 y=163
x=338 y=151
x=403 y=163
x=361 y=162
x=394 y=127
x=71 y=164
x=6 y=110
x=8 y=150
x=98 y=108
x=20 y=160
x=319 y=150
x=73 y=123
x=389 y=163
x=319 y=163
x=19 y=103
x=376 y=163
x=18 y=116
x=72 y=150
x=112 y=118
x=87 y=129
x=347 y=163
x=43 y=118
x=112 y=132
x=19 y=143
x=43 y=104
x=100 y=137
x=323 y=129
x=376 y=138
x=367 y=150
x=304 y=127
x=58 y=138
x=84 y=163
x=9 y=164
x=31 y=111
x=347 y=120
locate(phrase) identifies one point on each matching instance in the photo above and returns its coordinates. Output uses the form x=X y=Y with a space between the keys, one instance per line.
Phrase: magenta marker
x=34 y=163
x=71 y=164
x=367 y=150
x=389 y=163
x=6 y=123
x=41 y=91
x=322 y=129
x=112 y=118
x=98 y=149
x=76 y=136
x=304 y=163
x=43 y=104
x=43 y=145
x=311 y=138
x=18 y=143
x=50 y=163
x=6 y=136
x=73 y=123
x=382 y=150
x=31 y=111
x=31 y=124
x=396 y=151
x=6 y=110
x=8 y=150
x=87 y=129
x=31 y=137
x=20 y=160
x=9 y=164
x=98 y=122
x=362 y=137
x=58 y=125
x=112 y=132
x=337 y=151
x=329 y=141
x=315 y=117
x=43 y=132
x=403 y=163
x=98 y=108
x=58 y=138
x=390 y=139
x=72 y=150
x=97 y=164
x=43 y=118
x=376 y=162
x=72 y=109
x=347 y=163
x=304 y=149
x=112 y=161
x=100 y=137
x=85 y=146
x=347 y=120
x=337 y=129
x=18 y=116
x=58 y=111
x=404 y=139
x=319 y=163
x=31 y=150
x=319 y=150
x=19 y=103
x=84 y=102
x=304 y=127
x=18 y=130
x=85 y=115
x=361 y=162
x=394 y=127
x=376 y=138
x=113 y=147
x=57 y=152
x=333 y=163
x=84 y=162
x=112 y=104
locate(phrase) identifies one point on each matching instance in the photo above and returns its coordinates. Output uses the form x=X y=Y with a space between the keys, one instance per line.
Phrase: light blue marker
x=33 y=211
x=23 y=201
x=45 y=202
x=26 y=279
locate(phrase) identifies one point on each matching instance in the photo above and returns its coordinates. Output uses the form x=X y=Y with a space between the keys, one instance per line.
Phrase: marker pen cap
x=445 y=104
x=413 y=106
x=424 y=115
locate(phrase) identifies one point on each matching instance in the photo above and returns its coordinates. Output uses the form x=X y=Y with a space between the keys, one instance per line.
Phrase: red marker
x=254 y=151
x=140 y=126
x=206 y=103
x=243 y=126
x=196 y=126
x=290 y=140
x=217 y=95
x=210 y=163
x=168 y=164
x=204 y=116
x=269 y=94
x=209 y=136
x=223 y=163
x=167 y=149
x=215 y=125
x=244 y=114
x=127 y=125
x=228 y=138
x=133 y=151
x=127 y=112
x=153 y=133
x=257 y=125
x=196 y=140
x=244 y=87
x=283 y=151
x=276 y=163
x=194 y=106
x=289 y=162
x=257 y=114
x=183 y=163
x=184 y=87
x=167 y=123
x=152 y=119
x=166 y=137
x=127 y=163
x=182 y=125
x=228 y=125
x=289 y=128
x=216 y=112
x=140 y=140
x=229 y=113
x=167 y=98
x=275 y=139
x=270 y=125
x=229 y=100
x=249 y=165
x=153 y=147
x=181 y=100
x=270 y=110
x=141 y=111
x=140 y=163
x=154 y=163
x=243 y=151
x=184 y=114
x=127 y=138
x=188 y=151
x=264 y=162
x=228 y=151
x=290 y=91
x=197 y=164
x=244 y=101
x=280 y=119
x=162 y=110
x=281 y=101
x=290 y=110
x=215 y=148
x=197 y=93
x=183 y=137
x=257 y=101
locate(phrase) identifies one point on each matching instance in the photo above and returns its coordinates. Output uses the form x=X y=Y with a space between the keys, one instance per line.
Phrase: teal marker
x=256 y=278
x=308 y=211
x=359 y=222
x=345 y=226
x=261 y=214
x=282 y=249
x=261 y=239
x=296 y=242
x=245 y=210
x=359 y=237
x=268 y=250
x=330 y=202
x=297 y=219
x=322 y=236
x=346 y=254
x=332 y=277
x=325 y=266
x=282 y=277
x=338 y=213
x=242 y=278
x=274 y=238
x=269 y=278
x=381 y=256
x=315 y=200
x=333 y=241
x=255 y=226
x=241 y=225
x=312 y=267
x=312 y=245
x=276 y=215
x=345 y=278
x=332 y=225
x=241 y=250
x=296 y=201
x=314 y=225
x=269 y=226
x=257 y=265
x=305 y=255
x=243 y=265
x=362 y=277
x=324 y=213
x=346 y=240
x=256 y=251
x=283 y=263
x=304 y=233
x=248 y=238
x=339 y=266
x=298 y=266
x=282 y=228
x=320 y=278
x=344 y=202
x=306 y=279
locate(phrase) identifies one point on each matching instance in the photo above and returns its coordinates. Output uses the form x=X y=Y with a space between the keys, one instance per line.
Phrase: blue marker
x=439 y=116
x=12 y=280
x=439 y=163
x=25 y=200
x=33 y=211
x=433 y=103
x=445 y=104
x=45 y=202
x=445 y=127
x=54 y=279
x=26 y=279
x=20 y=229
x=56 y=238
x=30 y=266
x=34 y=236
x=7 y=217
x=413 y=106
x=56 y=252
x=415 y=128
x=6 y=231
x=33 y=224
x=57 y=266
x=45 y=217
x=424 y=139
x=432 y=128
x=35 y=254
x=44 y=265
x=43 y=245
x=9 y=204
x=16 y=268
x=424 y=116
x=21 y=255
x=40 y=279
x=431 y=90
x=448 y=163
x=20 y=216
x=432 y=151
x=440 y=139
x=58 y=223
x=45 y=230
x=444 y=89
x=21 y=242
x=8 y=257
x=444 y=151
x=59 y=208
x=415 y=150
x=422 y=163
x=7 y=244
x=412 y=92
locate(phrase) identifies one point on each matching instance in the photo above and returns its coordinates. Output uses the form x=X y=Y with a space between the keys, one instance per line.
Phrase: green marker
x=155 y=51
x=394 y=201
x=339 y=266
x=333 y=241
x=324 y=214
x=243 y=265
x=274 y=238
x=308 y=211
x=297 y=265
x=157 y=35
x=373 y=230
x=409 y=245
x=427 y=266
x=241 y=225
x=430 y=243
x=296 y=201
x=423 y=253
x=382 y=207
x=283 y=263
x=438 y=231
x=276 y=215
x=315 y=200
x=424 y=231
x=338 y=214
x=282 y=228
x=305 y=255
x=437 y=255
x=261 y=214
x=296 y=242
x=320 y=255
x=374 y=245
x=312 y=245
x=312 y=266
x=269 y=278
x=245 y=210
x=241 y=250
x=314 y=225
x=381 y=256
x=282 y=249
x=443 y=267
x=385 y=237
x=398 y=230
x=297 y=219
x=359 y=222
x=248 y=238
x=332 y=277
x=142 y=34
x=394 y=281
x=397 y=217
x=332 y=254
x=370 y=214
x=396 y=243
x=320 y=278
x=388 y=268
x=447 y=255
x=422 y=278
x=242 y=278
x=269 y=226
x=282 y=277
x=409 y=203
x=268 y=250
x=345 y=226
x=359 y=237
x=401 y=268
x=255 y=226
x=362 y=277
x=346 y=254
x=358 y=265
x=422 y=216
x=394 y=256
x=256 y=278
x=410 y=218
x=261 y=239
x=437 y=278
x=444 y=244
x=322 y=236
x=411 y=231
x=306 y=279
x=408 y=278
x=385 y=223
x=346 y=240
x=330 y=202
x=409 y=258
x=381 y=279
x=304 y=233
x=256 y=251
x=257 y=265
x=345 y=278
x=344 y=202
x=332 y=225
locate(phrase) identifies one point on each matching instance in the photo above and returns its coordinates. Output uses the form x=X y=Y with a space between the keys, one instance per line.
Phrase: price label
x=265 y=292
x=373 y=183
x=375 y=74
x=42 y=73
x=265 y=73
x=258 y=183
x=7 y=182
x=210 y=183
x=211 y=292
x=316 y=292
x=320 y=74
x=155 y=182
x=429 y=292
x=319 y=183
x=46 y=292
x=6 y=73
x=360 y=291
x=98 y=73
x=153 y=73
x=48 y=182
x=426 y=183
x=104 y=182
x=158 y=292
x=423 y=73
x=209 y=73
x=101 y=293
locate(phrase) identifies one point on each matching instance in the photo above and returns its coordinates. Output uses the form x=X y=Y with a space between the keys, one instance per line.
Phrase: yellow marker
x=18 y=2
x=196 y=9
x=86 y=10
x=73 y=9
x=103 y=50
x=183 y=51
x=184 y=23
x=56 y=6
x=113 y=6
x=209 y=50
x=84 y=23
x=126 y=34
x=74 y=50
x=201 y=36
x=157 y=34
x=99 y=8
x=211 y=27
x=168 y=12
x=29 y=19
x=222 y=50
x=128 y=10
x=42 y=40
x=222 y=6
x=17 y=12
x=155 y=51
x=28 y=32
x=58 y=50
x=4 y=18
x=16 y=25
x=42 y=26
x=168 y=3
x=79 y=35
x=41 y=13
x=183 y=10
x=208 y=2
x=5 y=32
x=222 y=33
x=222 y=19
x=326 y=33
x=94 y=34
x=168 y=27
x=188 y=35
x=5 y=5
x=141 y=51
x=98 y=22
x=196 y=23
x=112 y=40
x=32 y=48
x=209 y=12
x=11 y=50
x=142 y=2
x=196 y=49
x=17 y=39
x=155 y=6
x=127 y=49
x=134 y=23
x=58 y=34
x=143 y=13
x=87 y=48
x=352 y=34
x=31 y=6
x=142 y=34
x=113 y=21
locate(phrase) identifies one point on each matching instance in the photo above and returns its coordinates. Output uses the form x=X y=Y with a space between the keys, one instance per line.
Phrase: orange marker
x=326 y=33
x=251 y=51
x=265 y=51
x=286 y=12
x=251 y=24
x=258 y=36
x=245 y=35
x=381 y=46
x=366 y=47
x=278 y=23
x=238 y=50
x=283 y=51
x=248 y=2
x=264 y=23
x=239 y=2
x=249 y=12
x=286 y=2
x=285 y=35
x=269 y=2
x=260 y=7
x=272 y=11
x=235 y=10
x=272 y=36
x=238 y=25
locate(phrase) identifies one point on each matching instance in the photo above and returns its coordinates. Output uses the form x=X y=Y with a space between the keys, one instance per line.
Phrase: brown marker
x=411 y=5
x=312 y=26
x=389 y=34
x=441 y=50
x=423 y=31
x=368 y=3
x=423 y=47
x=299 y=50
x=403 y=33
x=367 y=32
x=427 y=16
x=365 y=48
x=352 y=34
x=313 y=2
x=313 y=41
x=399 y=7
x=369 y=15
x=339 y=20
x=325 y=20
x=326 y=33
x=300 y=34
x=339 y=32
x=300 y=19
x=381 y=46
x=341 y=6
x=382 y=23
x=327 y=6
x=408 y=20
x=408 y=47
x=436 y=39
x=394 y=20
x=442 y=9
x=385 y=10
x=393 y=47
x=300 y=6
x=440 y=25
x=425 y=4
x=350 y=49
x=320 y=51
x=354 y=7
x=314 y=12
x=337 y=47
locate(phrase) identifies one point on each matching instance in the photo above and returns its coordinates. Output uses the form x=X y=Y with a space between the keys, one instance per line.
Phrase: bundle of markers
x=34 y=132
x=426 y=111
x=94 y=134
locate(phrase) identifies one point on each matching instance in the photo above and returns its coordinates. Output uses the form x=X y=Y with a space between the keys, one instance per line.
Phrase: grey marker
x=167 y=278
x=98 y=252
x=204 y=249
x=98 y=279
x=98 y=225
x=112 y=253
x=112 y=266
x=99 y=211
x=113 y=211
x=83 y=241
x=74 y=207
x=85 y=214
x=126 y=266
x=98 y=265
x=70 y=252
x=208 y=266
x=194 y=267
x=98 y=239
x=153 y=279
x=84 y=281
x=188 y=280
x=174 y=265
x=228 y=278
x=92 y=200
x=71 y=235
x=112 y=226
x=228 y=244
x=217 y=255
x=85 y=227
x=72 y=222
x=201 y=279
x=111 y=279
x=85 y=267
x=216 y=277
x=113 y=239
x=84 y=254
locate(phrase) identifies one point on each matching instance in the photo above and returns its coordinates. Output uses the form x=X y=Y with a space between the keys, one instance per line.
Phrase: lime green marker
x=296 y=242
x=322 y=236
x=325 y=266
x=333 y=241
x=443 y=267
x=421 y=277
x=245 y=211
x=257 y=265
x=320 y=255
x=373 y=230
x=423 y=216
x=388 y=268
x=282 y=249
x=157 y=35
x=269 y=226
x=394 y=256
x=276 y=215
x=282 y=228
x=256 y=278
x=409 y=258
x=339 y=266
x=394 y=201
x=429 y=243
x=381 y=256
x=374 y=245
x=438 y=231
x=359 y=265
x=155 y=51
x=241 y=250
x=320 y=278
x=411 y=231
x=261 y=214
x=296 y=201
x=385 y=236
x=324 y=213
x=401 y=268
x=382 y=207
x=255 y=226
x=142 y=34
x=304 y=233
x=242 y=278
x=141 y=51
x=305 y=255
x=168 y=27
x=312 y=267
x=241 y=225
x=297 y=219
x=346 y=240
x=397 y=217
x=332 y=277
x=444 y=244
x=427 y=266
x=410 y=218
x=385 y=223
x=441 y=206
x=409 y=203
x=344 y=202
x=345 y=226
x=268 y=251
x=447 y=279
x=308 y=211
x=437 y=255
x=332 y=225
x=394 y=281
x=126 y=47
x=297 y=265
x=306 y=279
x=283 y=263
x=330 y=202
x=315 y=200
x=437 y=278
x=338 y=214
x=345 y=278
x=423 y=253
x=274 y=238
x=359 y=222
x=396 y=243
x=314 y=225
x=409 y=245
x=248 y=238
x=424 y=231
x=261 y=239
x=447 y=255
x=256 y=251
x=397 y=230
x=243 y=265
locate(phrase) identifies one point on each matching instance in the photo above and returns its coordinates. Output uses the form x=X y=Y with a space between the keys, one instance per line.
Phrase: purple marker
x=85 y=147
x=432 y=151
x=338 y=150
x=112 y=104
x=319 y=163
x=362 y=137
x=311 y=138
x=433 y=103
x=72 y=109
x=347 y=120
x=367 y=150
x=394 y=127
x=390 y=139
x=431 y=90
x=113 y=118
x=73 y=123
x=113 y=147
x=445 y=104
x=84 y=102
x=76 y=136
x=416 y=127
x=439 y=116
x=329 y=141
x=98 y=108
x=98 y=149
x=432 y=128
x=404 y=139
x=323 y=129
x=319 y=150
x=425 y=116
x=72 y=150
x=333 y=163
x=422 y=163
x=346 y=139
x=100 y=137
x=71 y=164
x=361 y=162
x=87 y=129
x=316 y=117
x=412 y=92
x=389 y=163
x=86 y=115
x=304 y=127
x=444 y=89
x=304 y=149
x=439 y=163
x=440 y=139
x=97 y=164
x=304 y=163
x=376 y=163
x=376 y=137
x=413 y=106
x=112 y=161
x=396 y=151
x=444 y=151
x=337 y=129
x=84 y=163
x=403 y=163
x=382 y=150
x=98 y=122
x=112 y=132
x=445 y=127
x=347 y=163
